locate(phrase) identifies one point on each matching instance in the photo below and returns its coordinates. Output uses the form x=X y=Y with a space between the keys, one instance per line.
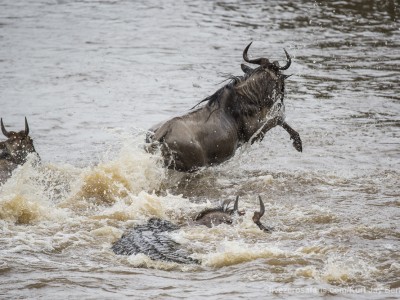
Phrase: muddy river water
x=92 y=76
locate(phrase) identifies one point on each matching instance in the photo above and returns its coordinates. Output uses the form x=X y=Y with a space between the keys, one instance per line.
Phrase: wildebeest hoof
x=297 y=143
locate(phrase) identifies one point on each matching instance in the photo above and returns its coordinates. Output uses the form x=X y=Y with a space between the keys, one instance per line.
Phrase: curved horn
x=257 y=216
x=262 y=207
x=3 y=129
x=285 y=67
x=26 y=127
x=258 y=61
x=225 y=205
x=236 y=204
x=245 y=57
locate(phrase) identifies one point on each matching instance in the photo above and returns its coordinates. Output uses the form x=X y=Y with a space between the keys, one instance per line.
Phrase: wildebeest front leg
x=259 y=135
x=294 y=135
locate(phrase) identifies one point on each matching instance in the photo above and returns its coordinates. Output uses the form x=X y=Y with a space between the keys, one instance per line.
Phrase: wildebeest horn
x=257 y=216
x=236 y=204
x=3 y=129
x=258 y=61
x=285 y=67
x=225 y=205
x=262 y=207
x=26 y=127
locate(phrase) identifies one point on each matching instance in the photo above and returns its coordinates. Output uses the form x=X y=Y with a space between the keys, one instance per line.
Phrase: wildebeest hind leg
x=294 y=135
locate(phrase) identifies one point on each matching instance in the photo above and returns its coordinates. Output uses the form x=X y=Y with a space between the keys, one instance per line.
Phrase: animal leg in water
x=294 y=135
x=259 y=135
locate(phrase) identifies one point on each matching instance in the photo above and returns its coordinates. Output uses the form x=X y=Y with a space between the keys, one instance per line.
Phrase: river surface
x=92 y=76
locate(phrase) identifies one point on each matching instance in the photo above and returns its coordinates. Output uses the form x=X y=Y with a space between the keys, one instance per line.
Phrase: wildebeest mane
x=248 y=95
x=215 y=98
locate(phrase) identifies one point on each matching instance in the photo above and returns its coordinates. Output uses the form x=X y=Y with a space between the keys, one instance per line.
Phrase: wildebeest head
x=18 y=145
x=224 y=214
x=263 y=85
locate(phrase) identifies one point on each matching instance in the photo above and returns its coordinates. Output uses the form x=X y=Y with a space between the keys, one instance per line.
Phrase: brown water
x=92 y=76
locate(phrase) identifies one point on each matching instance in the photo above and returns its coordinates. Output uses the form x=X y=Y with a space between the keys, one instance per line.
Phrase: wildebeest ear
x=246 y=69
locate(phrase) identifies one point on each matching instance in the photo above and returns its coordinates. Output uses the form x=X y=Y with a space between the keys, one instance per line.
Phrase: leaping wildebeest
x=241 y=111
x=14 y=150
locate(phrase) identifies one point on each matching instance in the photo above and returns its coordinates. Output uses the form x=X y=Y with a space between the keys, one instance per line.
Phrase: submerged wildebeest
x=152 y=240
x=242 y=111
x=14 y=151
